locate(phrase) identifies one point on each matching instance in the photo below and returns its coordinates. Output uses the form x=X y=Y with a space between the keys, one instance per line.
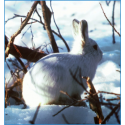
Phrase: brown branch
x=16 y=15
x=109 y=21
x=24 y=52
x=19 y=60
x=118 y=70
x=28 y=54
x=46 y=14
x=59 y=30
x=65 y=93
x=94 y=104
x=18 y=100
x=16 y=83
x=24 y=23
x=108 y=93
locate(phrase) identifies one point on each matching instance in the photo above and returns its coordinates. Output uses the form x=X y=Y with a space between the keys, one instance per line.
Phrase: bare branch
x=94 y=100
x=46 y=14
x=24 y=23
x=38 y=15
x=118 y=98
x=25 y=53
x=22 y=64
x=111 y=113
x=65 y=93
x=107 y=2
x=109 y=21
x=64 y=108
x=59 y=30
x=16 y=83
x=113 y=35
x=35 y=115
x=19 y=100
x=118 y=70
x=80 y=83
x=65 y=119
x=108 y=93
x=16 y=15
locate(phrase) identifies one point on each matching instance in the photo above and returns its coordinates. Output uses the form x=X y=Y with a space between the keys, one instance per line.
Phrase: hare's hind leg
x=69 y=101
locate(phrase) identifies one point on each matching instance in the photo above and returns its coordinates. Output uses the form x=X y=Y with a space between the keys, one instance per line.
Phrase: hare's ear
x=76 y=29
x=84 y=30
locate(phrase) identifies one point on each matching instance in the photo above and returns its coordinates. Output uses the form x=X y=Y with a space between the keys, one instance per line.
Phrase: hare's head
x=83 y=44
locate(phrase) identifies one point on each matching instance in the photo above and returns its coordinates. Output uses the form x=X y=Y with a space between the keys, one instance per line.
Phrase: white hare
x=43 y=82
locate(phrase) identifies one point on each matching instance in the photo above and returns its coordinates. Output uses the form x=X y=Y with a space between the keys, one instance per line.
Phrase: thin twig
x=118 y=98
x=64 y=108
x=65 y=119
x=116 y=115
x=118 y=71
x=65 y=93
x=35 y=115
x=25 y=32
x=16 y=83
x=109 y=21
x=33 y=45
x=108 y=2
x=108 y=93
x=111 y=113
x=106 y=104
x=24 y=23
x=9 y=69
x=19 y=100
x=58 y=29
x=16 y=15
x=113 y=35
x=22 y=64
x=38 y=15
x=80 y=83
x=26 y=53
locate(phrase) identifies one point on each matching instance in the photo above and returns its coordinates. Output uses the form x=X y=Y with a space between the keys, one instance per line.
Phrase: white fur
x=43 y=82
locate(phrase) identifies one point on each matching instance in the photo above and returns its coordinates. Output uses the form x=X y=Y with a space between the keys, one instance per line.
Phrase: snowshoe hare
x=43 y=82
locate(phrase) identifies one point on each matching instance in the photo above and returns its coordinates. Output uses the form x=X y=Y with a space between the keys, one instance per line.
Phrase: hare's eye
x=95 y=47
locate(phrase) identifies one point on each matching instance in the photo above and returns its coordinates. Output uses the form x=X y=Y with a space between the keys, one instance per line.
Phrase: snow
x=106 y=78
x=74 y=115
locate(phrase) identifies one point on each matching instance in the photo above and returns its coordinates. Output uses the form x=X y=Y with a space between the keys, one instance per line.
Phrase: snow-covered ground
x=106 y=78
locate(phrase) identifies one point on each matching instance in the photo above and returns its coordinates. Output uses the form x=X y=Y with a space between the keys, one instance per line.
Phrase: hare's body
x=43 y=82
